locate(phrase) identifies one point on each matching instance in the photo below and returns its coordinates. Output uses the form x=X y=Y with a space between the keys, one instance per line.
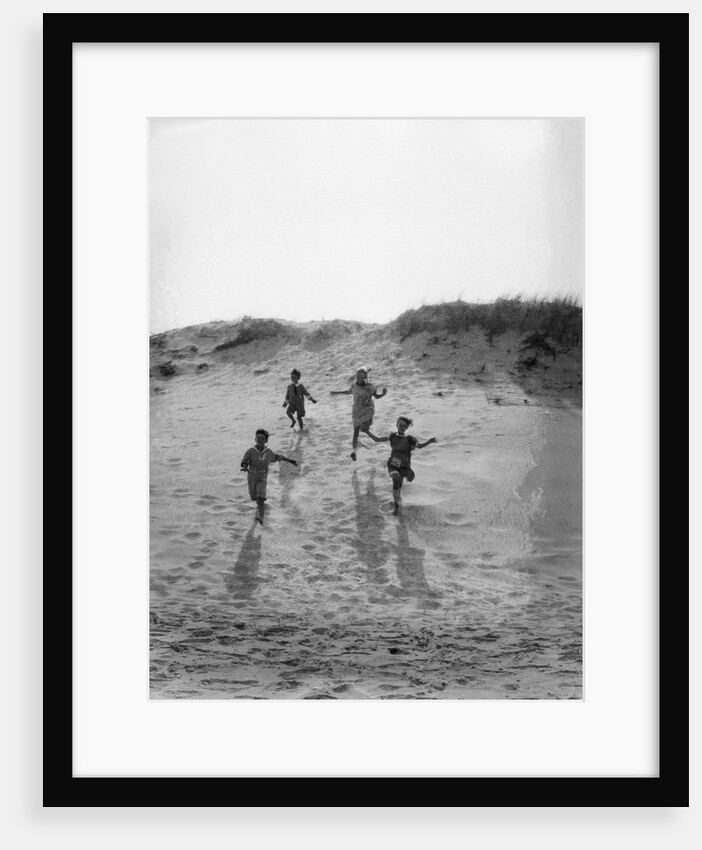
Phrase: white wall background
x=25 y=823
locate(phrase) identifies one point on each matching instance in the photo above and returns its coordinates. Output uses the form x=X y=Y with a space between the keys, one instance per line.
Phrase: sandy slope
x=474 y=591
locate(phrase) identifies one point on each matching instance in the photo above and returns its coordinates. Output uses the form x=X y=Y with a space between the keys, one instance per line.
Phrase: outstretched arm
x=309 y=396
x=376 y=395
x=430 y=440
x=286 y=459
x=377 y=439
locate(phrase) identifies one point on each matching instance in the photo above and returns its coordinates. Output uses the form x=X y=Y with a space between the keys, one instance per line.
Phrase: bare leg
x=354 y=442
x=396 y=492
x=261 y=510
x=291 y=417
x=299 y=421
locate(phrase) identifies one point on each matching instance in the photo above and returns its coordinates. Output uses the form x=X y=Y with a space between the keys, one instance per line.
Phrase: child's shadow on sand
x=371 y=548
x=410 y=567
x=289 y=475
x=242 y=579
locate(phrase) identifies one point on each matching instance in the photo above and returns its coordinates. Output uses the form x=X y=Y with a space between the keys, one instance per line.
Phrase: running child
x=363 y=408
x=255 y=463
x=399 y=462
x=295 y=399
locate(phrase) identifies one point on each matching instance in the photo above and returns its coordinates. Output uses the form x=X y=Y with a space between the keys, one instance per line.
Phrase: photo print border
x=62 y=787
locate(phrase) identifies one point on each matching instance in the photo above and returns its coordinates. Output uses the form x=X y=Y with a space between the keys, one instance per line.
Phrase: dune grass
x=558 y=319
x=253 y=329
x=543 y=321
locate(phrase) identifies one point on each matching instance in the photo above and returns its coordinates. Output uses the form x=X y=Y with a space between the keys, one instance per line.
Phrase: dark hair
x=405 y=419
x=296 y=372
x=262 y=431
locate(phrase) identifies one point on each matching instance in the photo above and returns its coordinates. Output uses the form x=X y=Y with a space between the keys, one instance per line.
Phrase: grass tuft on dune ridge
x=559 y=319
x=252 y=330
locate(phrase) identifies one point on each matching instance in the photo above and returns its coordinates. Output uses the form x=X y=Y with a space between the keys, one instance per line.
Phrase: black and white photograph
x=365 y=408
x=370 y=375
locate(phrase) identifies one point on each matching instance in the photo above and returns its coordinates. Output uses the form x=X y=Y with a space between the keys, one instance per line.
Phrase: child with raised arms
x=399 y=463
x=363 y=408
x=255 y=463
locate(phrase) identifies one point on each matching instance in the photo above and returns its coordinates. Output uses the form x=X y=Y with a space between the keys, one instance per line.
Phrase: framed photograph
x=366 y=406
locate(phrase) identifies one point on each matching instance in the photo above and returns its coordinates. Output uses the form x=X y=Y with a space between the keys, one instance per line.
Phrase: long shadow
x=242 y=579
x=410 y=566
x=289 y=475
x=371 y=549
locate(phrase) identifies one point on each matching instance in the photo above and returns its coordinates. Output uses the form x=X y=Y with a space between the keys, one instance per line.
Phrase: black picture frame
x=671 y=33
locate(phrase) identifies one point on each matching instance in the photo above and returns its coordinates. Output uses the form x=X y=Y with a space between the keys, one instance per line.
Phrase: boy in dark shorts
x=399 y=462
x=255 y=463
x=295 y=399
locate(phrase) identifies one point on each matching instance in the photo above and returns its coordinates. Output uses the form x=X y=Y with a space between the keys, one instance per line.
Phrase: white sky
x=359 y=218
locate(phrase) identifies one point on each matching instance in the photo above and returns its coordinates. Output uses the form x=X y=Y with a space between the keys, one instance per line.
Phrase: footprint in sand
x=448 y=486
x=458 y=519
x=173 y=577
x=456 y=564
x=193 y=535
x=330 y=503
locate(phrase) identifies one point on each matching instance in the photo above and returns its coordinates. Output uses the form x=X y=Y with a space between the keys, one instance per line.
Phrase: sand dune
x=472 y=592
